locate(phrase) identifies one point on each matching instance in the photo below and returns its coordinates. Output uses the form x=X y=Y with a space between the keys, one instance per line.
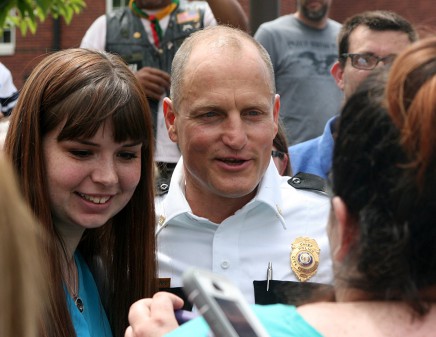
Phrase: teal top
x=279 y=320
x=92 y=322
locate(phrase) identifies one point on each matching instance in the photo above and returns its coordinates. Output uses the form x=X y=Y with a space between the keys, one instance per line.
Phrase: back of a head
x=394 y=219
x=22 y=287
x=412 y=103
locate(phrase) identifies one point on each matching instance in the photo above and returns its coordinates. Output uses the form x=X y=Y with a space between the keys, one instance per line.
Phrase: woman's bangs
x=88 y=108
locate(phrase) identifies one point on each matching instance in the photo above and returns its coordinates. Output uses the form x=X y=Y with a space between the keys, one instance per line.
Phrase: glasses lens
x=389 y=59
x=364 y=61
x=277 y=154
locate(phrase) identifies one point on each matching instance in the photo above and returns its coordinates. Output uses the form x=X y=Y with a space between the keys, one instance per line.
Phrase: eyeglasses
x=367 y=61
x=278 y=154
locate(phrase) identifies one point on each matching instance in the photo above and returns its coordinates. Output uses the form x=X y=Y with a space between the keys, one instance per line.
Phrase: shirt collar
x=268 y=193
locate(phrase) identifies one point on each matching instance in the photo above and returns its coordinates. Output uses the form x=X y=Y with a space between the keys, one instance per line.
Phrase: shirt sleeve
x=95 y=36
x=8 y=91
x=7 y=86
x=209 y=18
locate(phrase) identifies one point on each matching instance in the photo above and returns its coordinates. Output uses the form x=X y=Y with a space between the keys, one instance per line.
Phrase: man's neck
x=314 y=24
x=152 y=6
x=215 y=208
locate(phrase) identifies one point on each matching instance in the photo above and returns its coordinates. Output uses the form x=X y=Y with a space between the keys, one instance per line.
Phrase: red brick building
x=52 y=34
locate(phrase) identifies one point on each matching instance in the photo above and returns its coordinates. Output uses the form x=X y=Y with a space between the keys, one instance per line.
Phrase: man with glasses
x=302 y=47
x=367 y=40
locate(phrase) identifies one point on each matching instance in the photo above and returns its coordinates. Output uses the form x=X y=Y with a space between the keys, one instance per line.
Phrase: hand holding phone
x=182 y=316
x=222 y=305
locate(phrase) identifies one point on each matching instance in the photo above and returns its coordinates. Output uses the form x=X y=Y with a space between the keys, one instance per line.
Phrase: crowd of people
x=380 y=224
x=174 y=138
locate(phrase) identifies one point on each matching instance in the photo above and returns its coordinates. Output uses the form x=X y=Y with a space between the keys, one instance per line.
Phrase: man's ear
x=337 y=72
x=276 y=112
x=345 y=229
x=170 y=119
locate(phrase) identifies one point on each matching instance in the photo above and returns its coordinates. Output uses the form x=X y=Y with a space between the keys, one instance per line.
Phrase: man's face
x=226 y=122
x=366 y=41
x=314 y=10
x=152 y=4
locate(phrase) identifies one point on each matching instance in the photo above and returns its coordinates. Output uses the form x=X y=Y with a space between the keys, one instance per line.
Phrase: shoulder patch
x=162 y=186
x=307 y=181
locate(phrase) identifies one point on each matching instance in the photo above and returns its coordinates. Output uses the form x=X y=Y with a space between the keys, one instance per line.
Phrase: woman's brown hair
x=81 y=89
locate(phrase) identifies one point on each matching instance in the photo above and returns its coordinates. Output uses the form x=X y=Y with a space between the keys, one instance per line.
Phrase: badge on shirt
x=188 y=16
x=304 y=258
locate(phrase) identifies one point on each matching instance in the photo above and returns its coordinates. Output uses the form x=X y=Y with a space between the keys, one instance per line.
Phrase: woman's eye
x=80 y=153
x=127 y=155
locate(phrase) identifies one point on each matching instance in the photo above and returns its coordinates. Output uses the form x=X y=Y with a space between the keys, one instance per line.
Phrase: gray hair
x=215 y=37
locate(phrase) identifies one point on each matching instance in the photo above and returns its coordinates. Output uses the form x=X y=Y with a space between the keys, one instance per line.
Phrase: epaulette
x=162 y=186
x=308 y=181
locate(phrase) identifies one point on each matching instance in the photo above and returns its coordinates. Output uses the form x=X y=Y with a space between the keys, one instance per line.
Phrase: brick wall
x=31 y=48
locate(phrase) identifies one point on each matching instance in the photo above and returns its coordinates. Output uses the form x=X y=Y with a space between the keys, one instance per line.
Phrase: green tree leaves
x=25 y=14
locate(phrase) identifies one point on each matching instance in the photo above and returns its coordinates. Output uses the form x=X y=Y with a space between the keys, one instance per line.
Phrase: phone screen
x=236 y=318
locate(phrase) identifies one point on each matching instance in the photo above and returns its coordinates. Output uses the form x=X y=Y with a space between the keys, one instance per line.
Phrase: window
x=113 y=4
x=7 y=41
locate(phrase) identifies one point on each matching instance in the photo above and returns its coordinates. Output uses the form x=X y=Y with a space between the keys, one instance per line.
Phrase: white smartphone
x=222 y=304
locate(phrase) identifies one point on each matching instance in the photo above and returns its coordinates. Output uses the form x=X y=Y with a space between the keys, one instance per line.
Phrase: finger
x=139 y=310
x=154 y=75
x=162 y=310
x=156 y=80
x=153 y=88
x=129 y=332
x=166 y=300
x=158 y=72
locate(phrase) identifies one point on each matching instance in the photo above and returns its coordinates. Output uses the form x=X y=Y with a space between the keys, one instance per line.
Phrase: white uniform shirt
x=7 y=89
x=95 y=38
x=242 y=245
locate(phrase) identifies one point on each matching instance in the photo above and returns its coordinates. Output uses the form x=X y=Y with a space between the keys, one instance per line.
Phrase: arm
x=229 y=12
x=95 y=36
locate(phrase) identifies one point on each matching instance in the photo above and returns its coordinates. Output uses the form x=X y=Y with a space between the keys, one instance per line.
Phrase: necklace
x=74 y=289
x=154 y=19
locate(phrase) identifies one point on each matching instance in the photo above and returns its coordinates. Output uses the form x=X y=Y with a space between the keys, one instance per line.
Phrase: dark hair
x=81 y=89
x=392 y=256
x=281 y=144
x=379 y=20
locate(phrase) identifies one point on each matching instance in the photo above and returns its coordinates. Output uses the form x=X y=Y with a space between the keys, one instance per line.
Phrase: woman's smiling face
x=89 y=180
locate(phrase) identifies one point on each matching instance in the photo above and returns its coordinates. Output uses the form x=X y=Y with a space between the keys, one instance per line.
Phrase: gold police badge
x=304 y=258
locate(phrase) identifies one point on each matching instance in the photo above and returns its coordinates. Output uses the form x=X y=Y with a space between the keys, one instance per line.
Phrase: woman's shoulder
x=367 y=319
x=284 y=320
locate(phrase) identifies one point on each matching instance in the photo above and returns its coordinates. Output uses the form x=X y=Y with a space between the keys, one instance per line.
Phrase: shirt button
x=225 y=264
x=296 y=180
